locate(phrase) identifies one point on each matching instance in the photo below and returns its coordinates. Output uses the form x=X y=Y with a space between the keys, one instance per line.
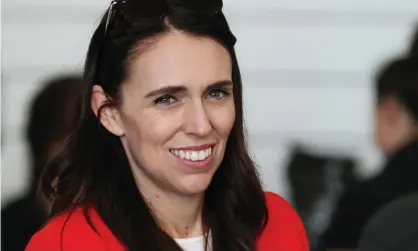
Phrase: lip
x=202 y=165
x=195 y=148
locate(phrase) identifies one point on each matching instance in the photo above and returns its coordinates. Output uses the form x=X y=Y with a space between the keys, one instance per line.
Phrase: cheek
x=222 y=119
x=383 y=132
x=150 y=130
x=146 y=139
x=379 y=130
x=376 y=125
x=379 y=122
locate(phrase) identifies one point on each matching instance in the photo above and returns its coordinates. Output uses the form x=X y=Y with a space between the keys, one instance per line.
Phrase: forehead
x=180 y=59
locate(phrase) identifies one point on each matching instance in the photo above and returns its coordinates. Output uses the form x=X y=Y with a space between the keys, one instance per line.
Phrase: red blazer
x=284 y=232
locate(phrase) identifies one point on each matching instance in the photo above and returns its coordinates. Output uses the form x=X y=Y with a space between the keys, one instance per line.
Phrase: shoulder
x=72 y=231
x=276 y=202
x=284 y=229
x=280 y=210
x=391 y=226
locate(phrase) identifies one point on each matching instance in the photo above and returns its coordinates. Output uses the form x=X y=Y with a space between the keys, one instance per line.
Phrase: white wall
x=307 y=68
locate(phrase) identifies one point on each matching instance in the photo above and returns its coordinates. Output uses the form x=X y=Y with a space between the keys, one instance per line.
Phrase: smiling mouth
x=192 y=155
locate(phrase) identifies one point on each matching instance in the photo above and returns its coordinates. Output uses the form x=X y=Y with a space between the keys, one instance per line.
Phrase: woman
x=159 y=161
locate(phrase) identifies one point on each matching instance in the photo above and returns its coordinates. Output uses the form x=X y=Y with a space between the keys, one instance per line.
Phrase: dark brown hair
x=94 y=170
x=399 y=78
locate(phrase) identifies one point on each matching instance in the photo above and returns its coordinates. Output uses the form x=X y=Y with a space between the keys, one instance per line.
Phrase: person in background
x=159 y=160
x=413 y=47
x=396 y=133
x=393 y=228
x=50 y=121
x=316 y=181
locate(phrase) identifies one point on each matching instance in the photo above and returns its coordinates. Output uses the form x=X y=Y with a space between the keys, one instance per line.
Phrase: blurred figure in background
x=50 y=120
x=316 y=182
x=413 y=48
x=396 y=132
x=393 y=228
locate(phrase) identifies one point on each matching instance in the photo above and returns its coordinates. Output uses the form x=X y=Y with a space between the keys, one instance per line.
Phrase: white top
x=192 y=244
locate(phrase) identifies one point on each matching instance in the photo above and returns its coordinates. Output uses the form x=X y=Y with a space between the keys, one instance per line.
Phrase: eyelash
x=163 y=100
x=221 y=91
x=167 y=100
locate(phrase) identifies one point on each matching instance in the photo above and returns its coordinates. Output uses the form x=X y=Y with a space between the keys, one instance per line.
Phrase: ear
x=109 y=116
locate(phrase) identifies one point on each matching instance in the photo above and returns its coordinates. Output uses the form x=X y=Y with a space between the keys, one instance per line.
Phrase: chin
x=195 y=185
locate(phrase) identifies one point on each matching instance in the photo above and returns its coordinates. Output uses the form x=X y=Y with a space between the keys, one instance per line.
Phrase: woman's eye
x=218 y=94
x=165 y=100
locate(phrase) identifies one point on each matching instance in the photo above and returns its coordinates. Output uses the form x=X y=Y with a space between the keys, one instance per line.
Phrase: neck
x=180 y=216
x=177 y=214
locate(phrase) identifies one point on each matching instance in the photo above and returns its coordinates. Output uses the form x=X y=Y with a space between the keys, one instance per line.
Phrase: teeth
x=192 y=155
x=195 y=156
x=201 y=155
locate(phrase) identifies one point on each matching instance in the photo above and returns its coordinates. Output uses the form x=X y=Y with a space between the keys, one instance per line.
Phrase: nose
x=196 y=121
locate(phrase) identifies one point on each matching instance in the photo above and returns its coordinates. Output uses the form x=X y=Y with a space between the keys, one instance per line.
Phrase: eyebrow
x=175 y=89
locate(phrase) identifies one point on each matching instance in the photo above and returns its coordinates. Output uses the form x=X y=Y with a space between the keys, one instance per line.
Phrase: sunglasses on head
x=134 y=10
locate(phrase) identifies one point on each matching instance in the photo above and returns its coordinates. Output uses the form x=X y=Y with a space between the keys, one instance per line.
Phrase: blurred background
x=308 y=68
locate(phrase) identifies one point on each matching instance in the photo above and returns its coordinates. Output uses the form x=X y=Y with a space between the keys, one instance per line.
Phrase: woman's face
x=177 y=112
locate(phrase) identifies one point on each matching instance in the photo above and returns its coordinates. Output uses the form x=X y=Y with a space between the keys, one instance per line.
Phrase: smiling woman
x=159 y=160
x=188 y=109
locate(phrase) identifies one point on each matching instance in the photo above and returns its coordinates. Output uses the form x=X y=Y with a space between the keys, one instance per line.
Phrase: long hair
x=93 y=169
